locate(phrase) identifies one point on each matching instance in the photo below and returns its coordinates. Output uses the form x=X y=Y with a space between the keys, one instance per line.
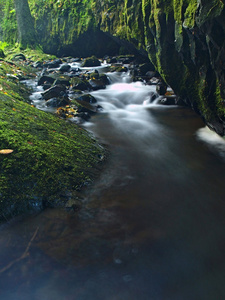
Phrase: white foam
x=212 y=139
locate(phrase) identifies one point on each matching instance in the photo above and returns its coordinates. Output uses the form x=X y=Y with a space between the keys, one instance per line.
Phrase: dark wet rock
x=154 y=81
x=58 y=101
x=74 y=94
x=87 y=98
x=53 y=91
x=62 y=79
x=18 y=57
x=64 y=68
x=46 y=79
x=161 y=88
x=97 y=84
x=75 y=70
x=168 y=100
x=94 y=75
x=37 y=64
x=83 y=106
x=118 y=69
x=146 y=67
x=74 y=59
x=150 y=74
x=104 y=79
x=216 y=125
x=79 y=84
x=46 y=86
x=84 y=115
x=111 y=60
x=53 y=64
x=126 y=59
x=91 y=62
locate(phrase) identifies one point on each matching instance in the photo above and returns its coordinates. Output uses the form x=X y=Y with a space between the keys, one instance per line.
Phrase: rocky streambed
x=64 y=86
x=45 y=160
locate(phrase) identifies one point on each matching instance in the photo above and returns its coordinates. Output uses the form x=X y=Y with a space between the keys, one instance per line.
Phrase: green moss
x=189 y=16
x=220 y=103
x=51 y=158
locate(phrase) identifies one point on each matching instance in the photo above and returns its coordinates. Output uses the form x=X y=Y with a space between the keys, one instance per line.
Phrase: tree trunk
x=26 y=32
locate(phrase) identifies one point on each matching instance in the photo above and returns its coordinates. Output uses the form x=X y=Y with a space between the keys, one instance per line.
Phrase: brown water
x=151 y=228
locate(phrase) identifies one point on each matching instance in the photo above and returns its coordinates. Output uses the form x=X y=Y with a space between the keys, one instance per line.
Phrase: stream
x=150 y=228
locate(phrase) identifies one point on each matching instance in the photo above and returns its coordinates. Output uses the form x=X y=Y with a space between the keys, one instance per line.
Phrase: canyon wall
x=184 y=39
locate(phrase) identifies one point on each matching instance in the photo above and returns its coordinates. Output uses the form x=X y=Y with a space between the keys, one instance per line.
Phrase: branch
x=24 y=255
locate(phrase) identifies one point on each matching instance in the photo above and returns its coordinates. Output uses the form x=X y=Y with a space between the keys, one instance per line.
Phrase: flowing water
x=151 y=227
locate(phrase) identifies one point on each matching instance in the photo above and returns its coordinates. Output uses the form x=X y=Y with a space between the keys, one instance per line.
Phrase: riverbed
x=151 y=227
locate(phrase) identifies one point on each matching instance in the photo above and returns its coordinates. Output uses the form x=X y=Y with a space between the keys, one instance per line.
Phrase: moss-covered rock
x=51 y=158
x=79 y=84
x=91 y=62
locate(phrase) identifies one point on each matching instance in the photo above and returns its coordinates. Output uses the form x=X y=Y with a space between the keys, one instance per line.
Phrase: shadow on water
x=152 y=226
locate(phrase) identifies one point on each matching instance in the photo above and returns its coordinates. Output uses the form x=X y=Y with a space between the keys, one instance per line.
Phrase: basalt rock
x=91 y=62
x=79 y=84
x=97 y=84
x=54 y=91
x=64 y=68
x=87 y=98
x=62 y=100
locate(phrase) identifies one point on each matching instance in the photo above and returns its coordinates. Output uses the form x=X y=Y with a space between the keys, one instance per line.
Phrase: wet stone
x=53 y=91
x=64 y=68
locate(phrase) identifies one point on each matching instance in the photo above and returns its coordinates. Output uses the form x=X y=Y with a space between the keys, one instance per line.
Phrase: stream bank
x=50 y=159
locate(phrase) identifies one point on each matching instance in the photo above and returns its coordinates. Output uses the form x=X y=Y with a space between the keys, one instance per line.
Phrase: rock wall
x=184 y=39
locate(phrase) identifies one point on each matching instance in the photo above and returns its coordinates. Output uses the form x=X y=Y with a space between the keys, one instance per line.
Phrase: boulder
x=161 y=88
x=104 y=79
x=169 y=100
x=62 y=79
x=87 y=98
x=118 y=69
x=46 y=78
x=91 y=62
x=83 y=106
x=53 y=64
x=79 y=84
x=144 y=68
x=64 y=68
x=94 y=75
x=96 y=84
x=53 y=91
x=58 y=101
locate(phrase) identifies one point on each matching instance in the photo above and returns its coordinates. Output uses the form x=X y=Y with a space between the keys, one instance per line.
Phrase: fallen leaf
x=6 y=151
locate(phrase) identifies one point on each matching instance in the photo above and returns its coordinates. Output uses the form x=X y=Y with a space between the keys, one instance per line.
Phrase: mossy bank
x=184 y=39
x=51 y=158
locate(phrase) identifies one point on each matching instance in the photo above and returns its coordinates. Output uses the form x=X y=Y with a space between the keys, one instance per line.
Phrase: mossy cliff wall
x=184 y=39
